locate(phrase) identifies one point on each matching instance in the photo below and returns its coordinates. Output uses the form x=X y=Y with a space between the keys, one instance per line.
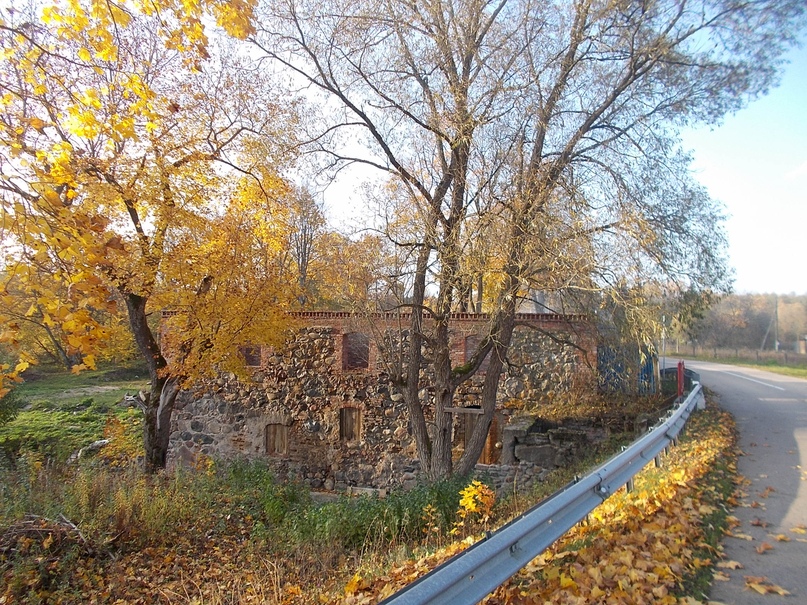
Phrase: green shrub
x=10 y=404
x=352 y=523
x=53 y=435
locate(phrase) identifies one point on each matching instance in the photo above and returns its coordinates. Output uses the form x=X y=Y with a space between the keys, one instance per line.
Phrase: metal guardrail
x=471 y=575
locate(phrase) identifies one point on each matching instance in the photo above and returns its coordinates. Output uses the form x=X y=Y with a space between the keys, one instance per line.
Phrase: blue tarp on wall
x=626 y=369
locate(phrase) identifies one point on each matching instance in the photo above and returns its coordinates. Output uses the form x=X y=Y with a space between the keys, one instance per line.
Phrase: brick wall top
x=533 y=317
x=389 y=316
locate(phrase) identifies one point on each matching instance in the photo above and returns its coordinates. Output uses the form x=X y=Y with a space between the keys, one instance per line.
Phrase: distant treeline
x=753 y=321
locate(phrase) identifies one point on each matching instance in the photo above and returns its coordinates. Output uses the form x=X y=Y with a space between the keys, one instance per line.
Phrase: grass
x=795 y=370
x=717 y=488
x=60 y=412
x=50 y=389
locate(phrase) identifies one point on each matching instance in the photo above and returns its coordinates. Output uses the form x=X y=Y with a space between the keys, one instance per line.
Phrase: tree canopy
x=141 y=166
x=529 y=154
x=534 y=149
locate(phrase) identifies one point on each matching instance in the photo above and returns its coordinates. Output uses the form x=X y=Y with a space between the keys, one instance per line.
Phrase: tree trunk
x=441 y=463
x=414 y=362
x=67 y=361
x=502 y=336
x=157 y=425
x=159 y=402
x=60 y=354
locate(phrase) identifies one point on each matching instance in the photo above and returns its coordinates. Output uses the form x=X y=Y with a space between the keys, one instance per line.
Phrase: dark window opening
x=251 y=355
x=355 y=351
x=349 y=424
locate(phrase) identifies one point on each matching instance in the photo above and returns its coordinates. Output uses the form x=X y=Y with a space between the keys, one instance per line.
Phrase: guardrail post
x=680 y=379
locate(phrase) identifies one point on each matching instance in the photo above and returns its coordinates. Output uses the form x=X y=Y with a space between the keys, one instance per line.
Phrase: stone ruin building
x=323 y=410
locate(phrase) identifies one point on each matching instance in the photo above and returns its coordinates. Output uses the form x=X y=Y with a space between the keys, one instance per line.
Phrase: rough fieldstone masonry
x=323 y=409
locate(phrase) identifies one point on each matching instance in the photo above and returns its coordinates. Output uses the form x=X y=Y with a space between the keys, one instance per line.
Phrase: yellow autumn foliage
x=636 y=548
x=114 y=192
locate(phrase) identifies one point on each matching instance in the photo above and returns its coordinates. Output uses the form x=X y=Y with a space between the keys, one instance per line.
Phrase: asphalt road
x=771 y=415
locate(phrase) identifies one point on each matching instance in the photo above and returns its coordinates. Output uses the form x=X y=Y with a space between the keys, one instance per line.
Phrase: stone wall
x=316 y=419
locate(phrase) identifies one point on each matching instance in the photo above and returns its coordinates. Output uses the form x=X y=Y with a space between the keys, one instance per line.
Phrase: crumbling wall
x=296 y=408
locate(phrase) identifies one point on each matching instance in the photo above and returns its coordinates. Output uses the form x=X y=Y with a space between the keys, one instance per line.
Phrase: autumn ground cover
x=102 y=532
x=656 y=544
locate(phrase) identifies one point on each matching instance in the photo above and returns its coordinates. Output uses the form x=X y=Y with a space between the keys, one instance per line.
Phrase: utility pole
x=776 y=322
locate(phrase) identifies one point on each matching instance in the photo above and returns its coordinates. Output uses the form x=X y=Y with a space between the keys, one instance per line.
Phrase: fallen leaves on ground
x=763 y=548
x=636 y=549
x=763 y=586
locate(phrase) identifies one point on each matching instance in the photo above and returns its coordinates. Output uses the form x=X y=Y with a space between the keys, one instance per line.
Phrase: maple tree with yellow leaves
x=140 y=164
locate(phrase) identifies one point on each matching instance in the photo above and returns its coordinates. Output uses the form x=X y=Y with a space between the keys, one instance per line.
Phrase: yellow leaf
x=28 y=358
x=763 y=548
x=387 y=590
x=353 y=585
x=567 y=582
x=597 y=592
x=778 y=590
x=21 y=367
x=89 y=361
x=758 y=587
x=782 y=538
x=730 y=565
x=84 y=55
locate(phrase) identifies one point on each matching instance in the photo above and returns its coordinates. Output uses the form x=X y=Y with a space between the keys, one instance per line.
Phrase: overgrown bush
x=125 y=505
x=10 y=404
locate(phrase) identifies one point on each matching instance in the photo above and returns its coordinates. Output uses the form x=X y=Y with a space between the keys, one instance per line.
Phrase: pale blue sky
x=756 y=164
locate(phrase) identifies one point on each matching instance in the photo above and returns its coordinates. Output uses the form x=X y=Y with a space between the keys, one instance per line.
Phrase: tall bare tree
x=547 y=129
